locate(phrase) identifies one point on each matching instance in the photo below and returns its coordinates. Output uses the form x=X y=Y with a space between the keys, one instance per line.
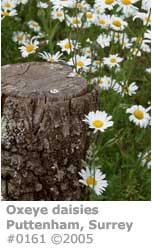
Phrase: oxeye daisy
x=68 y=45
x=8 y=13
x=117 y=23
x=104 y=40
x=103 y=20
x=90 y=17
x=112 y=60
x=139 y=115
x=80 y=62
x=74 y=22
x=125 y=88
x=104 y=82
x=146 y=4
x=29 y=47
x=105 y=4
x=19 y=37
x=94 y=179
x=58 y=14
x=63 y=3
x=127 y=7
x=34 y=26
x=145 y=159
x=53 y=58
x=82 y=5
x=8 y=4
x=99 y=121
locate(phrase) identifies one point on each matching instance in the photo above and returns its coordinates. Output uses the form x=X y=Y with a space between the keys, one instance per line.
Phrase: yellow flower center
x=147 y=19
x=109 y=1
x=100 y=82
x=91 y=181
x=97 y=123
x=67 y=46
x=117 y=35
x=80 y=63
x=102 y=21
x=126 y=2
x=20 y=38
x=113 y=60
x=7 y=5
x=52 y=60
x=98 y=62
x=138 y=114
x=5 y=14
x=126 y=88
x=34 y=24
x=59 y=14
x=79 y=6
x=29 y=47
x=148 y=157
x=76 y=21
x=89 y=15
x=116 y=23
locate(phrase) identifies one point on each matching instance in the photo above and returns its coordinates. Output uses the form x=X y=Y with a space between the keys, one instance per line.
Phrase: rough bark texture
x=43 y=136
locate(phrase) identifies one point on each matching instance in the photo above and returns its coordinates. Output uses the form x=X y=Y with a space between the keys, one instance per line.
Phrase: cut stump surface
x=43 y=136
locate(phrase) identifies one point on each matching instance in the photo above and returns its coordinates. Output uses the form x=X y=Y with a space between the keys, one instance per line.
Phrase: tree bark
x=43 y=136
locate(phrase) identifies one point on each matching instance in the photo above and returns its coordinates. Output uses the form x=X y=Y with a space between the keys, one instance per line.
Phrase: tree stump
x=43 y=136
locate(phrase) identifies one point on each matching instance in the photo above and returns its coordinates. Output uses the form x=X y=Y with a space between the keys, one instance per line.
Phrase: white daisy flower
x=68 y=45
x=42 y=5
x=117 y=23
x=87 y=51
x=95 y=179
x=19 y=37
x=139 y=116
x=146 y=4
x=97 y=64
x=29 y=47
x=8 y=4
x=53 y=58
x=8 y=13
x=63 y=3
x=126 y=89
x=112 y=61
x=125 y=42
x=74 y=22
x=103 y=21
x=105 y=4
x=82 y=6
x=145 y=159
x=104 y=82
x=58 y=14
x=34 y=26
x=127 y=7
x=104 y=40
x=99 y=121
x=80 y=62
x=90 y=17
